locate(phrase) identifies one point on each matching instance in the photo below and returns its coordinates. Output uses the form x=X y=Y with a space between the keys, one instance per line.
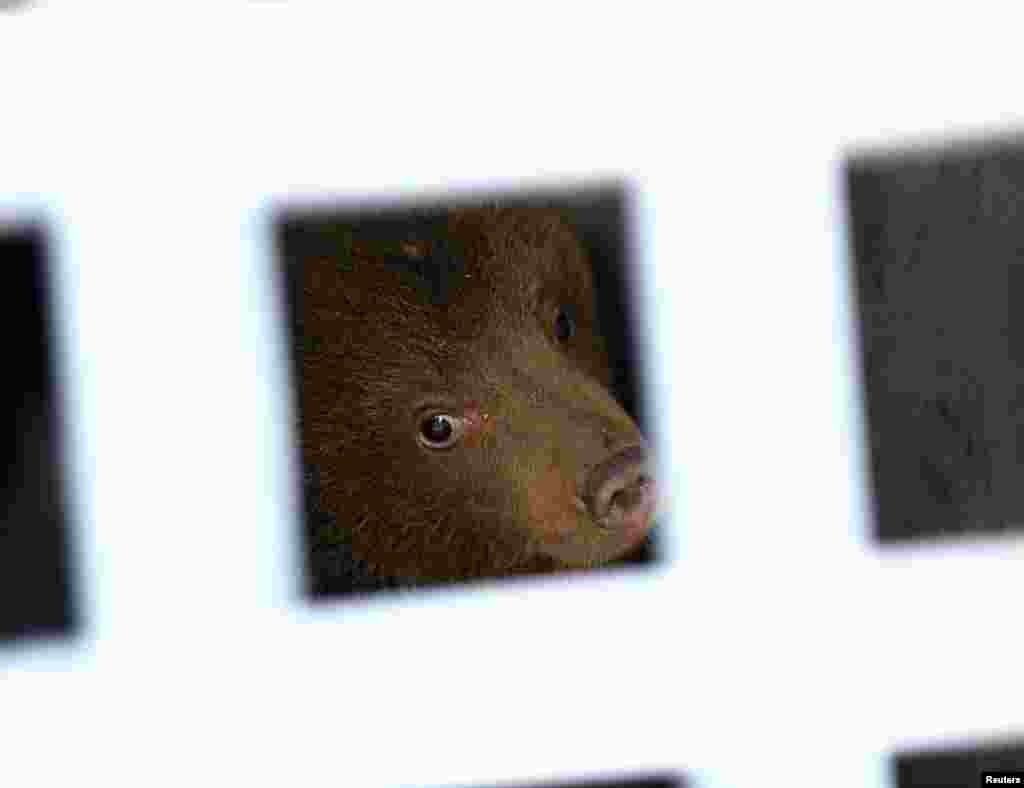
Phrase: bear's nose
x=620 y=486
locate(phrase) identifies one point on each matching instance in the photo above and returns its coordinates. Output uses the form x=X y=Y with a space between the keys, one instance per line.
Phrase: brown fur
x=537 y=412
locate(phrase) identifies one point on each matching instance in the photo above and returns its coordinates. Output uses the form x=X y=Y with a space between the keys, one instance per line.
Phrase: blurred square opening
x=36 y=597
x=468 y=388
x=964 y=765
x=937 y=241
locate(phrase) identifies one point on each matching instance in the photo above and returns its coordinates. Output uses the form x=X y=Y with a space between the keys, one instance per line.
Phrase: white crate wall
x=155 y=141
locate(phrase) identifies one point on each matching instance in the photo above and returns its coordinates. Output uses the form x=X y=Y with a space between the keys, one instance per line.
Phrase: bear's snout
x=620 y=492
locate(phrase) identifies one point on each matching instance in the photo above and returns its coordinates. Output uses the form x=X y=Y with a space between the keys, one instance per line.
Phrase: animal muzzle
x=620 y=493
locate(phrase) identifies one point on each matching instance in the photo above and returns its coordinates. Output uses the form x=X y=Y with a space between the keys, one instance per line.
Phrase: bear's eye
x=565 y=325
x=438 y=431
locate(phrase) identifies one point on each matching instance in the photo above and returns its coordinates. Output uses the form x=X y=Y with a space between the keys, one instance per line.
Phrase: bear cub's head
x=455 y=401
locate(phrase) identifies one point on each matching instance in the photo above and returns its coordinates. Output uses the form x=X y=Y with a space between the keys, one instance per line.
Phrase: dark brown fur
x=381 y=344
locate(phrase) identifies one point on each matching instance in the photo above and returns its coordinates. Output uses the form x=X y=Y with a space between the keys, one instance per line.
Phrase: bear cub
x=455 y=413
